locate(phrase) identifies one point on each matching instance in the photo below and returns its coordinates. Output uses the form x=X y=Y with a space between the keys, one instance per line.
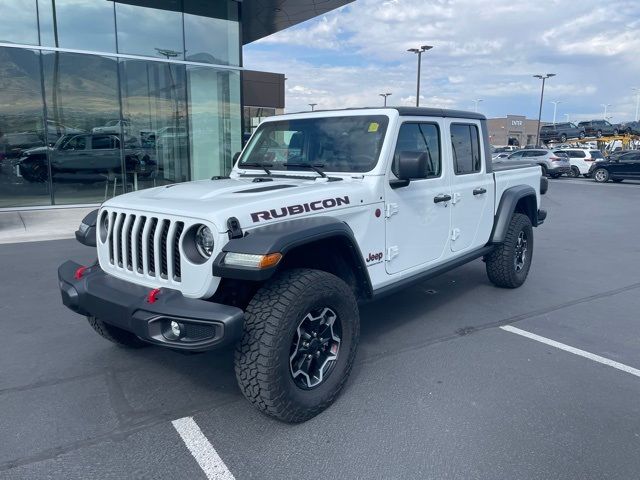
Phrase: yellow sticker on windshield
x=373 y=127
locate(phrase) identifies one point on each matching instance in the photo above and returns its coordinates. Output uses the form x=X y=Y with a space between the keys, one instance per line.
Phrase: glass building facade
x=99 y=97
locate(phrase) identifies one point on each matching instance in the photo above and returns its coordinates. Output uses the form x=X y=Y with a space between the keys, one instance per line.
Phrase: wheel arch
x=322 y=243
x=518 y=199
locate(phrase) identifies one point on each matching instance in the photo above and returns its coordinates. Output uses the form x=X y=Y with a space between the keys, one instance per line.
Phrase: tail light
x=556 y=159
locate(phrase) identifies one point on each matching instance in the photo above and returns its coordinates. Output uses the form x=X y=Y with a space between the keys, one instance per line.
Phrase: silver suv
x=553 y=164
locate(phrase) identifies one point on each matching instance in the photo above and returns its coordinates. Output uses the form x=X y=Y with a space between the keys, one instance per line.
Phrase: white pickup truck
x=322 y=211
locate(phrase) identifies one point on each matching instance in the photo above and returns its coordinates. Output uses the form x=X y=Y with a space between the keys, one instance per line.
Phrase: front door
x=629 y=165
x=418 y=215
x=471 y=186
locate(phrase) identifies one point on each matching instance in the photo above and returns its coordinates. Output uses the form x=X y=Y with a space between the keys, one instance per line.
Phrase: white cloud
x=487 y=50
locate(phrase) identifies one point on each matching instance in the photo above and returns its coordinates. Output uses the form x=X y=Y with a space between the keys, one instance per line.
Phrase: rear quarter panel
x=518 y=176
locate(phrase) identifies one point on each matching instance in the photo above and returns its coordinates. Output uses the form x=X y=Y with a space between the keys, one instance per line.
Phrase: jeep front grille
x=145 y=245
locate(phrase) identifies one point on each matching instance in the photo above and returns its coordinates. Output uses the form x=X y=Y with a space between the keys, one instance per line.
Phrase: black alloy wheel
x=315 y=348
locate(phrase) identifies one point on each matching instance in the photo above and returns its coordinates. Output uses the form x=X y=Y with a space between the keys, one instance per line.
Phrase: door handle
x=479 y=191
x=441 y=198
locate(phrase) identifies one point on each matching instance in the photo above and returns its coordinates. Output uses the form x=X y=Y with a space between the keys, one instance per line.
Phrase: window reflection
x=21 y=129
x=152 y=32
x=212 y=32
x=155 y=108
x=18 y=22
x=214 y=120
x=81 y=24
x=82 y=94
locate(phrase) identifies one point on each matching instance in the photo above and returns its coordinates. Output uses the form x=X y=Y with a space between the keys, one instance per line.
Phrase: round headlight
x=204 y=241
x=104 y=226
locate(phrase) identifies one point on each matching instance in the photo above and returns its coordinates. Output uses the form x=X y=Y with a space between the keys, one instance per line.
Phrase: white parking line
x=575 y=351
x=204 y=453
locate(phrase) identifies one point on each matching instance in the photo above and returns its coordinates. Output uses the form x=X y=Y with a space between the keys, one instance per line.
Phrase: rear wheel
x=581 y=136
x=599 y=133
x=615 y=132
x=300 y=338
x=575 y=172
x=601 y=175
x=116 y=335
x=563 y=138
x=508 y=265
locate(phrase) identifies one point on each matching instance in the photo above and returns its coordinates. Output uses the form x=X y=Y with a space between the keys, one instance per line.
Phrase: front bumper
x=205 y=325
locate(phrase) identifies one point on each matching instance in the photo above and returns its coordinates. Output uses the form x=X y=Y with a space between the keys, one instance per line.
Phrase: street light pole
x=637 y=90
x=313 y=106
x=476 y=102
x=543 y=78
x=419 y=51
x=555 y=108
x=385 y=95
x=606 y=106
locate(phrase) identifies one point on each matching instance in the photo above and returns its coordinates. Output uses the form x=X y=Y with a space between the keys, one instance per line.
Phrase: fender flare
x=506 y=208
x=283 y=237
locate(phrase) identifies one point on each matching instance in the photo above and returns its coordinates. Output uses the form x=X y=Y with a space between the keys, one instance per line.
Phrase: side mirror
x=236 y=156
x=411 y=165
x=86 y=233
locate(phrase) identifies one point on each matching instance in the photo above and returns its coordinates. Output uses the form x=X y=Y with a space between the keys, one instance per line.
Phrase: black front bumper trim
x=124 y=305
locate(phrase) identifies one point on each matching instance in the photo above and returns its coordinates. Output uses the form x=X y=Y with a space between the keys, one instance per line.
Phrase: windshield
x=335 y=144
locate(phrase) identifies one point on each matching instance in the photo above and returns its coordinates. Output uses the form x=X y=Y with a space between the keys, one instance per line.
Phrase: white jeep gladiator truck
x=322 y=211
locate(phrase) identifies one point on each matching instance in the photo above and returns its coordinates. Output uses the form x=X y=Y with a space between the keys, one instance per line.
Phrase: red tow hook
x=80 y=272
x=152 y=297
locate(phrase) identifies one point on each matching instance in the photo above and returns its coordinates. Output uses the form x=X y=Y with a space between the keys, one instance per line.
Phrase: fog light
x=176 y=329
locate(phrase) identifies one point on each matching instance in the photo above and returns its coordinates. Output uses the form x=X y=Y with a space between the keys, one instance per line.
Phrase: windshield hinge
x=391 y=209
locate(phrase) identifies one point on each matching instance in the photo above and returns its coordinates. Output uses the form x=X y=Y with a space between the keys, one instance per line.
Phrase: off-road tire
x=116 y=335
x=262 y=357
x=500 y=263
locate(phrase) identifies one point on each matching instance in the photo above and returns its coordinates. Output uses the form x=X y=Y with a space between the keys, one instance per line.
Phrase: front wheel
x=508 y=265
x=563 y=138
x=581 y=136
x=300 y=338
x=601 y=175
x=599 y=134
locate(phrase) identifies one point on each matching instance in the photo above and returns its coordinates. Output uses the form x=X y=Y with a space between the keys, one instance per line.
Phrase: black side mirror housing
x=236 y=156
x=411 y=166
x=86 y=233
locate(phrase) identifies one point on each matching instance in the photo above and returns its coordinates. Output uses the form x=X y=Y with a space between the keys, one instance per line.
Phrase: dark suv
x=598 y=128
x=632 y=128
x=561 y=132
x=627 y=165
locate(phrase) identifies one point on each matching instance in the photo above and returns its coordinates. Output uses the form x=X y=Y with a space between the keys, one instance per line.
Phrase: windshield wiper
x=264 y=166
x=315 y=167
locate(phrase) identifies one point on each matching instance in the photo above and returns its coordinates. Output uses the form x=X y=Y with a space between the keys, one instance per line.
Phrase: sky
x=483 y=49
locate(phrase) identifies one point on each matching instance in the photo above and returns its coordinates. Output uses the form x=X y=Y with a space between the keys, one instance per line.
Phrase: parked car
x=598 y=128
x=632 y=128
x=86 y=156
x=560 y=132
x=626 y=166
x=507 y=148
x=114 y=127
x=553 y=164
x=581 y=160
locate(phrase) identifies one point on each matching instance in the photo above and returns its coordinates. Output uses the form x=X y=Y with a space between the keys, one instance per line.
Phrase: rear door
x=471 y=186
x=629 y=165
x=105 y=154
x=417 y=227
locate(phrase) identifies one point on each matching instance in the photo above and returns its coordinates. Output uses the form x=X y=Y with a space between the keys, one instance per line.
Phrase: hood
x=253 y=203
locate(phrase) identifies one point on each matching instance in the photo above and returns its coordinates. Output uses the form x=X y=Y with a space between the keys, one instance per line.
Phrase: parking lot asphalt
x=438 y=389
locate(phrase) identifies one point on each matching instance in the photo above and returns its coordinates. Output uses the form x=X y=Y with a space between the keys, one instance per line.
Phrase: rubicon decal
x=298 y=209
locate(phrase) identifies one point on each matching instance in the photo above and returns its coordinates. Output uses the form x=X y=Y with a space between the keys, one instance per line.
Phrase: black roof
x=437 y=112
x=414 y=112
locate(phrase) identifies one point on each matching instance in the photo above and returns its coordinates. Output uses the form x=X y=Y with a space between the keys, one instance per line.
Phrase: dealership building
x=100 y=97
x=512 y=130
